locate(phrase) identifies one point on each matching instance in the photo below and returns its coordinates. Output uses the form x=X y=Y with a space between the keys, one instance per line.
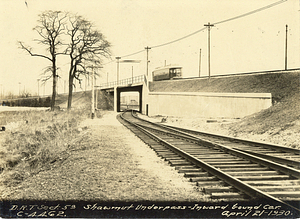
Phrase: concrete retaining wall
x=216 y=105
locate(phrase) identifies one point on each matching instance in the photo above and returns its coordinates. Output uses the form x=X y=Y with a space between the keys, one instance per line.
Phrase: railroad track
x=280 y=154
x=221 y=172
x=277 y=153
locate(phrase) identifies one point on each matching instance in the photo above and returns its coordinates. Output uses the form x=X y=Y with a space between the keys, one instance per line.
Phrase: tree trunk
x=54 y=83
x=71 y=78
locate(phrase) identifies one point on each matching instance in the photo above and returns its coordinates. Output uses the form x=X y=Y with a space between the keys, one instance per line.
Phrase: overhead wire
x=251 y=12
x=191 y=34
x=133 y=53
x=125 y=56
x=223 y=21
x=219 y=22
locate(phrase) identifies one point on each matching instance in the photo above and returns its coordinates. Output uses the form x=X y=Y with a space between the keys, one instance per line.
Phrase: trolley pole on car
x=208 y=28
x=286 y=34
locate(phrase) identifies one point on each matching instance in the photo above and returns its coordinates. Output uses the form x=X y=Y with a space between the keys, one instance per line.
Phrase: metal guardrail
x=126 y=81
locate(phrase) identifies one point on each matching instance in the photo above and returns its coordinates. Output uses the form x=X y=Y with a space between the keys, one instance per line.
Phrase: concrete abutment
x=196 y=104
x=207 y=105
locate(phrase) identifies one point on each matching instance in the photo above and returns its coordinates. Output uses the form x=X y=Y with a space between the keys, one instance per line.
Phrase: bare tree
x=25 y=93
x=51 y=25
x=87 y=47
x=10 y=95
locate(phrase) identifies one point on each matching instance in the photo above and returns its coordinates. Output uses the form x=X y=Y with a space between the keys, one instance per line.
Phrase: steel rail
x=238 y=184
x=237 y=140
x=280 y=148
x=248 y=142
x=282 y=168
x=295 y=173
x=276 y=159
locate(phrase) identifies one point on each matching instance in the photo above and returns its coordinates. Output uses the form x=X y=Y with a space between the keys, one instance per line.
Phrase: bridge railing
x=126 y=81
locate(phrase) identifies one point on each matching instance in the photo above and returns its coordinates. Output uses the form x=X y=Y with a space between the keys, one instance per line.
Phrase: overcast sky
x=250 y=43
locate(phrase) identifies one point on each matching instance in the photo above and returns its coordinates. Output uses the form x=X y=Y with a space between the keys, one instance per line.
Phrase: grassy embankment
x=281 y=122
x=34 y=140
x=278 y=124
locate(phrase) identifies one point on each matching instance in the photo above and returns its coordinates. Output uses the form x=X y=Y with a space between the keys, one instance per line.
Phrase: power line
x=219 y=22
x=191 y=34
x=230 y=19
x=124 y=56
x=108 y=62
x=251 y=12
x=133 y=53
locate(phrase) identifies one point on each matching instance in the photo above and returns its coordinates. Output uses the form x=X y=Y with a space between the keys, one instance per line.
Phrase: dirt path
x=110 y=164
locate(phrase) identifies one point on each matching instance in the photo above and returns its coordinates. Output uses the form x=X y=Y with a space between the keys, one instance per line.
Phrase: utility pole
x=96 y=102
x=132 y=74
x=199 y=63
x=19 y=89
x=38 y=80
x=118 y=68
x=286 y=34
x=147 y=48
x=93 y=95
x=124 y=61
x=208 y=27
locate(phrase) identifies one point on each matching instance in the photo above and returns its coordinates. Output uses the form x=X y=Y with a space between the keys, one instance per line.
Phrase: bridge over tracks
x=137 y=83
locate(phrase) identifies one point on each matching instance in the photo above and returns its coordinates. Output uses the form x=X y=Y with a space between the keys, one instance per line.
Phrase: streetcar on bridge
x=167 y=73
